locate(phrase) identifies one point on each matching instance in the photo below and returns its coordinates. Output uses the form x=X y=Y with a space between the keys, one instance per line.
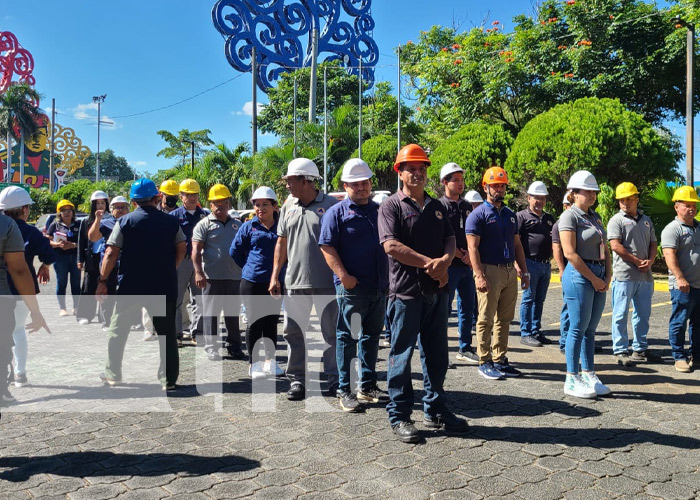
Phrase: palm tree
x=179 y=146
x=19 y=111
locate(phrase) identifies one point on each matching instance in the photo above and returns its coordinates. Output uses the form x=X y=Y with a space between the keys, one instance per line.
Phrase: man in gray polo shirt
x=633 y=243
x=680 y=241
x=309 y=280
x=216 y=273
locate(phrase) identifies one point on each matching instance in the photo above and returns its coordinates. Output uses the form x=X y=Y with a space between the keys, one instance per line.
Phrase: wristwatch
x=524 y=275
x=102 y=280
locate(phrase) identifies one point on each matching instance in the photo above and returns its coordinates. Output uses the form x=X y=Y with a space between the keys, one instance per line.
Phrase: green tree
x=379 y=152
x=598 y=135
x=111 y=166
x=179 y=146
x=474 y=147
x=19 y=108
x=572 y=49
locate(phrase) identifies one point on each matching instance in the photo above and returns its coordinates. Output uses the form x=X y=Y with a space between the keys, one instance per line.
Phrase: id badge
x=602 y=251
x=506 y=252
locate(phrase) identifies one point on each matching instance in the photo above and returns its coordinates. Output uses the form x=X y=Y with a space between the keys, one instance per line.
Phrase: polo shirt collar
x=351 y=204
x=212 y=217
x=640 y=213
x=318 y=199
x=695 y=223
x=578 y=211
x=403 y=196
x=255 y=222
x=533 y=213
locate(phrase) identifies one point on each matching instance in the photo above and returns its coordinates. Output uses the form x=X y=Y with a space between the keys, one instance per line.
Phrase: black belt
x=506 y=265
x=597 y=262
x=541 y=261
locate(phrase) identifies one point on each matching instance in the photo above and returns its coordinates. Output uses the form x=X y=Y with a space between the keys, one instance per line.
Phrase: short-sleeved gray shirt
x=636 y=235
x=217 y=237
x=10 y=241
x=590 y=233
x=686 y=240
x=301 y=225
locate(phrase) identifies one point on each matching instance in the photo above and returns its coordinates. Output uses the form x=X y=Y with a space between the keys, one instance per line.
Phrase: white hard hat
x=355 y=170
x=537 y=188
x=14 y=197
x=379 y=198
x=118 y=199
x=583 y=179
x=302 y=166
x=449 y=168
x=473 y=197
x=99 y=195
x=566 y=201
x=265 y=193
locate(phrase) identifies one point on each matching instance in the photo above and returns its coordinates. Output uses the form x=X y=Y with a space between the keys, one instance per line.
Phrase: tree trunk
x=8 y=173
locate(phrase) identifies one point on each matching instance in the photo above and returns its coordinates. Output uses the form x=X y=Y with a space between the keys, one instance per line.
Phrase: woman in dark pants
x=253 y=249
x=89 y=260
x=63 y=233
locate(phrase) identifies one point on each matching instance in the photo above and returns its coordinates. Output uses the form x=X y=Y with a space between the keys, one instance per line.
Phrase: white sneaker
x=147 y=336
x=592 y=380
x=243 y=318
x=256 y=371
x=576 y=387
x=272 y=369
x=83 y=321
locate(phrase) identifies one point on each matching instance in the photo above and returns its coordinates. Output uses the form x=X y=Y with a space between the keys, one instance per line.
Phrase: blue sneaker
x=506 y=369
x=490 y=372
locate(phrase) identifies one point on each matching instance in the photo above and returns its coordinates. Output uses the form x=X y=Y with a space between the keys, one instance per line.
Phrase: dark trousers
x=263 y=312
x=216 y=297
x=127 y=312
x=87 y=304
x=67 y=265
x=7 y=326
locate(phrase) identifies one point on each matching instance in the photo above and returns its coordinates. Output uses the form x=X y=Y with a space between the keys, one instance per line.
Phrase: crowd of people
x=366 y=265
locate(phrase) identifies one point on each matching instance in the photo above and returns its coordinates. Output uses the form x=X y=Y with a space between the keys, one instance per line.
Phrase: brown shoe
x=683 y=366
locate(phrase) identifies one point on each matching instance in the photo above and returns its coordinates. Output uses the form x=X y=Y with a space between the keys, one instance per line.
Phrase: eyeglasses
x=120 y=207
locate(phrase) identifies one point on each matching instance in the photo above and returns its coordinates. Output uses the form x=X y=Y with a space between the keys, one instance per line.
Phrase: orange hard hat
x=495 y=175
x=412 y=152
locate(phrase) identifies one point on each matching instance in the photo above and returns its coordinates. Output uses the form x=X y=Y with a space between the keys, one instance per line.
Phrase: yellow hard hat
x=625 y=189
x=219 y=192
x=170 y=187
x=189 y=186
x=686 y=193
x=64 y=203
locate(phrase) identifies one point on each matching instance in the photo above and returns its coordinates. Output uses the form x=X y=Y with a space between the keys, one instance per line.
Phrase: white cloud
x=247 y=109
x=140 y=164
x=89 y=112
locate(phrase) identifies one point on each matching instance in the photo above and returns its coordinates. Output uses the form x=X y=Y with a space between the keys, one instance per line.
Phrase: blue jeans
x=639 y=293
x=66 y=266
x=360 y=323
x=563 y=322
x=533 y=298
x=585 y=307
x=423 y=320
x=461 y=280
x=685 y=309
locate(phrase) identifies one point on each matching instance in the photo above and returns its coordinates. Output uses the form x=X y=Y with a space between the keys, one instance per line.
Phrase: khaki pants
x=496 y=311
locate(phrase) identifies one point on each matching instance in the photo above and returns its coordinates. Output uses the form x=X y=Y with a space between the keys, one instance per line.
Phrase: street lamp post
x=689 y=129
x=99 y=99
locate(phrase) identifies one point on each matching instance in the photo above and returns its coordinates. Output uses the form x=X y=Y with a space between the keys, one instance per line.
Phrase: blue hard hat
x=143 y=189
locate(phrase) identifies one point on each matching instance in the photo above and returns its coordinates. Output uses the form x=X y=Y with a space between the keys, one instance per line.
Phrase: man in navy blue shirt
x=494 y=246
x=189 y=215
x=149 y=245
x=350 y=244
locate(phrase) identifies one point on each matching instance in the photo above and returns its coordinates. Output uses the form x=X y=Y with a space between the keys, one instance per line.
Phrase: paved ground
x=69 y=437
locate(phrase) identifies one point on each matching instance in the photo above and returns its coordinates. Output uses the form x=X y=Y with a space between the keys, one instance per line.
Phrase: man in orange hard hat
x=416 y=233
x=494 y=249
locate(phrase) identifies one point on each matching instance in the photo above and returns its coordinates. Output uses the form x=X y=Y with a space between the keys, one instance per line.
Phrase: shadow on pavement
x=107 y=463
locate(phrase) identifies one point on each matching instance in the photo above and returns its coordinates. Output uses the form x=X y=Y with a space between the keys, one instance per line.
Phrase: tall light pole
x=689 y=129
x=99 y=99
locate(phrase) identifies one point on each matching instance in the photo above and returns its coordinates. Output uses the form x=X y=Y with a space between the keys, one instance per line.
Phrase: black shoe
x=213 y=356
x=447 y=420
x=543 y=340
x=333 y=391
x=506 y=369
x=373 y=394
x=169 y=387
x=467 y=355
x=296 y=392
x=237 y=353
x=624 y=359
x=349 y=403
x=530 y=341
x=406 y=432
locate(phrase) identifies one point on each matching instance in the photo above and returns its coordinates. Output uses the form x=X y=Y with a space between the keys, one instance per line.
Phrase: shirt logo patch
x=550 y=222
x=320 y=210
x=406 y=215
x=438 y=214
x=512 y=219
x=646 y=223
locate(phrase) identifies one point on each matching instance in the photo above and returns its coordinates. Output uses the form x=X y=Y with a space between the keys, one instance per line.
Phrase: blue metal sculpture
x=276 y=29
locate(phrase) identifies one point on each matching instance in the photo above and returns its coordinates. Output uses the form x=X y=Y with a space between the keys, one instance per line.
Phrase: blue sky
x=152 y=53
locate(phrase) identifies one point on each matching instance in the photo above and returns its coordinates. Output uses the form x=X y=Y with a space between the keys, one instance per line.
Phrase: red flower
x=444 y=49
x=570 y=2
x=553 y=73
x=409 y=42
x=456 y=46
x=458 y=61
x=495 y=23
